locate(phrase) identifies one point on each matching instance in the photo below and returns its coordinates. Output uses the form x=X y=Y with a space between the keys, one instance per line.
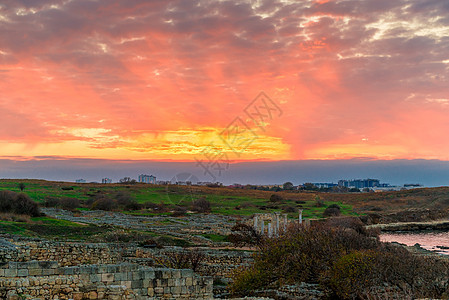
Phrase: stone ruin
x=273 y=224
x=47 y=280
x=39 y=269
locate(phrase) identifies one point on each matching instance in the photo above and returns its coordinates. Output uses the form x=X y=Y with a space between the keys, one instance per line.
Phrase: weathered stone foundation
x=48 y=280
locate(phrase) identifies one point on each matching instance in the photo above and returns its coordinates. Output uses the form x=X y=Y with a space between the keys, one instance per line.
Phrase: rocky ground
x=190 y=227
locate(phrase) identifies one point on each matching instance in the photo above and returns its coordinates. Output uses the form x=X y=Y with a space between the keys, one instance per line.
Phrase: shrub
x=161 y=207
x=332 y=210
x=188 y=259
x=276 y=198
x=104 y=203
x=69 y=203
x=133 y=205
x=6 y=200
x=126 y=201
x=349 y=264
x=289 y=209
x=179 y=211
x=201 y=205
x=244 y=235
x=23 y=205
x=319 y=202
x=51 y=202
x=352 y=274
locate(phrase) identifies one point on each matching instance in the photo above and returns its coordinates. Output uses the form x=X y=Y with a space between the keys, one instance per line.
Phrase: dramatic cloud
x=163 y=79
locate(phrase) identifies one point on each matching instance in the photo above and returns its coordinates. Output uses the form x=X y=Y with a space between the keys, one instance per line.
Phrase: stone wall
x=48 y=280
x=217 y=263
x=66 y=254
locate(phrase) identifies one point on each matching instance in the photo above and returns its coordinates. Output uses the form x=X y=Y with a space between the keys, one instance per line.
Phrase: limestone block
x=10 y=272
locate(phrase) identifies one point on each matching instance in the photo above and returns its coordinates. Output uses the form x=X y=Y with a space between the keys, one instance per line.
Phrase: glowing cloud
x=162 y=79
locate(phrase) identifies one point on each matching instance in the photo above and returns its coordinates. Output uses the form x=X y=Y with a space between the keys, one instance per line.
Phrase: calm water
x=427 y=240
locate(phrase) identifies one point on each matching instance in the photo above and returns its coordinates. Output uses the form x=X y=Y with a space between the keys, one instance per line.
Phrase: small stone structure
x=273 y=224
x=47 y=280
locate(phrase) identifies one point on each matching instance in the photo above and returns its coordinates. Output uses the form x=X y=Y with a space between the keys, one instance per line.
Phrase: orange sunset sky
x=162 y=80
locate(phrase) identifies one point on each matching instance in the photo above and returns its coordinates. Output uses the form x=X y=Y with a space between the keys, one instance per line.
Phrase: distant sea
x=435 y=241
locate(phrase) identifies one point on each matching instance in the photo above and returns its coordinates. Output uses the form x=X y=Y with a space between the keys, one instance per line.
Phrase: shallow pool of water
x=433 y=241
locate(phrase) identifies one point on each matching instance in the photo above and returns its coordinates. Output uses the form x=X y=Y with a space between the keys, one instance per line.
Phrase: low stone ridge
x=48 y=280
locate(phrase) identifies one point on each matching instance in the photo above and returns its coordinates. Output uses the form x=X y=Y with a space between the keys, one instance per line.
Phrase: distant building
x=147 y=178
x=106 y=180
x=163 y=182
x=324 y=184
x=183 y=182
x=359 y=183
x=80 y=181
x=412 y=185
x=204 y=183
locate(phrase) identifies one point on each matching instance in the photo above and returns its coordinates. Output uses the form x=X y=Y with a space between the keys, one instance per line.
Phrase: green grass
x=51 y=228
x=223 y=201
x=216 y=237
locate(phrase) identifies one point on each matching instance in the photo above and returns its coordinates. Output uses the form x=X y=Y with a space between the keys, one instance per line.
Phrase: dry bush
x=126 y=201
x=201 y=205
x=347 y=263
x=6 y=200
x=51 y=202
x=276 y=198
x=161 y=207
x=69 y=203
x=15 y=218
x=289 y=209
x=179 y=211
x=187 y=259
x=23 y=205
x=244 y=235
x=332 y=210
x=104 y=203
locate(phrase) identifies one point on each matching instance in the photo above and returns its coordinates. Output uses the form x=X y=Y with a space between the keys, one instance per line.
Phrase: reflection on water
x=433 y=241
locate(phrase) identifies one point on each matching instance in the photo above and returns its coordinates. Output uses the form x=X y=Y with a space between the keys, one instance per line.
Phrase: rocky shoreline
x=441 y=225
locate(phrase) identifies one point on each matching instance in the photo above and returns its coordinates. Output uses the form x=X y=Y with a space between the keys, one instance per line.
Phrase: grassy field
x=223 y=200
x=226 y=201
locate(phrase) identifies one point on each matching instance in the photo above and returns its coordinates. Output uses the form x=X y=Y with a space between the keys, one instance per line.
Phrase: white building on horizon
x=143 y=178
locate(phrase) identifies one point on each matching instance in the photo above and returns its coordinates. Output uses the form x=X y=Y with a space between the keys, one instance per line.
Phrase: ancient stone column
x=276 y=232
x=270 y=233
x=262 y=225
x=256 y=223
x=300 y=216
x=285 y=222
